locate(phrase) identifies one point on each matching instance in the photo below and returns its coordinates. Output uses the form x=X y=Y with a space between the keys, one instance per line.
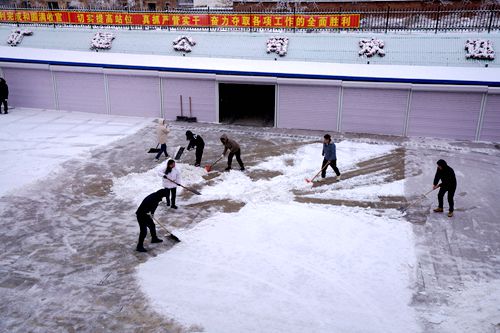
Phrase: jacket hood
x=189 y=135
x=442 y=163
x=162 y=121
x=223 y=137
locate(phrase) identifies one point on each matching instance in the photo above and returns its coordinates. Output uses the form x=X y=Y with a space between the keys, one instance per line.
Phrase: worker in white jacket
x=161 y=135
x=170 y=176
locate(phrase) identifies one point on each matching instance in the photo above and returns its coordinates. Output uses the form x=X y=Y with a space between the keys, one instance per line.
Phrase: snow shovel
x=154 y=150
x=187 y=188
x=208 y=167
x=181 y=117
x=313 y=178
x=171 y=235
x=178 y=155
x=403 y=209
x=191 y=119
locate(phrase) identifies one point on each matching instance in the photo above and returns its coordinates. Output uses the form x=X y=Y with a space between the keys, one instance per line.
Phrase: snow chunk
x=16 y=37
x=479 y=49
x=184 y=43
x=102 y=41
x=371 y=47
x=279 y=45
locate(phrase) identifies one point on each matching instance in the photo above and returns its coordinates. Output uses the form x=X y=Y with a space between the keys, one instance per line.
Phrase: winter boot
x=438 y=210
x=227 y=169
x=338 y=177
x=156 y=240
x=450 y=214
x=173 y=206
x=242 y=168
x=141 y=248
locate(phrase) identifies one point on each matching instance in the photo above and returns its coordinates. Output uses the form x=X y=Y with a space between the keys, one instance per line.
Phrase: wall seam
x=480 y=120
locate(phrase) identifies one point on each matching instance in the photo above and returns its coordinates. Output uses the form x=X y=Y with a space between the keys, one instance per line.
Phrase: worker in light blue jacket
x=329 y=156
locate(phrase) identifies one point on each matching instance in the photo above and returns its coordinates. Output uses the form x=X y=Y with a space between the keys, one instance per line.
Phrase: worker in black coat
x=4 y=95
x=195 y=141
x=148 y=206
x=448 y=184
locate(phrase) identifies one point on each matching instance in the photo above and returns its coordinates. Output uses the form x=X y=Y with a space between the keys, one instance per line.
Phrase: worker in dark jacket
x=148 y=206
x=234 y=150
x=4 y=95
x=448 y=184
x=329 y=156
x=195 y=141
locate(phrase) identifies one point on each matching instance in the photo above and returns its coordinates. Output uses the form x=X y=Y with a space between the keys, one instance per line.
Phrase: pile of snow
x=278 y=45
x=136 y=186
x=371 y=47
x=184 y=43
x=288 y=267
x=373 y=190
x=16 y=37
x=479 y=49
x=278 y=265
x=102 y=41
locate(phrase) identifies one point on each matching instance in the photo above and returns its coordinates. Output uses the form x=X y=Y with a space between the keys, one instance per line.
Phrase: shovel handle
x=323 y=168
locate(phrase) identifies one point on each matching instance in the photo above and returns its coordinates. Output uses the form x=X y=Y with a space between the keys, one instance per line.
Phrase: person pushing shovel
x=329 y=156
x=144 y=218
x=234 y=150
x=448 y=184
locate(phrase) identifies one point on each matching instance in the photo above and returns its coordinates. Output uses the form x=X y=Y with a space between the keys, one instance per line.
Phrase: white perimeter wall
x=455 y=112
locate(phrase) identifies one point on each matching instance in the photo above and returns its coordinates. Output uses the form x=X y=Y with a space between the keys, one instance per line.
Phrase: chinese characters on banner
x=202 y=20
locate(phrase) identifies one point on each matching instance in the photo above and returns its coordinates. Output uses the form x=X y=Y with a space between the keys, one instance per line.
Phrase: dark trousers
x=163 y=149
x=145 y=222
x=451 y=193
x=172 y=191
x=199 y=154
x=5 y=107
x=238 y=158
x=333 y=164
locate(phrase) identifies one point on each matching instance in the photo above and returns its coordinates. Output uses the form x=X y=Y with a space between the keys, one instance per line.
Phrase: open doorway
x=246 y=104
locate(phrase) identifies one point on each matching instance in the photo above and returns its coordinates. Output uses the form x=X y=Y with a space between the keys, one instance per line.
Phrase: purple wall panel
x=31 y=88
x=134 y=95
x=308 y=107
x=451 y=115
x=83 y=92
x=378 y=111
x=491 y=120
x=202 y=94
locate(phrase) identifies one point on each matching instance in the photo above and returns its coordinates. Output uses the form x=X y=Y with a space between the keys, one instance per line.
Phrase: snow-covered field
x=34 y=142
x=287 y=257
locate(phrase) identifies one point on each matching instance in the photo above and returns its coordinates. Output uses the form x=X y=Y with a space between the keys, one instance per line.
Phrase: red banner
x=205 y=20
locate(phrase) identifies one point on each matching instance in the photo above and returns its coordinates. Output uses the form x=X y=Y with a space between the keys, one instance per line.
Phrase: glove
x=222 y=155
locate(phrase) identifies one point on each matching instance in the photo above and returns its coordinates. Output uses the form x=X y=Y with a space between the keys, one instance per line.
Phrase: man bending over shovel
x=234 y=150
x=148 y=206
x=448 y=184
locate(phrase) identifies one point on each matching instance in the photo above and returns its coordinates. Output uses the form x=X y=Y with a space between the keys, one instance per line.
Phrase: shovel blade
x=174 y=238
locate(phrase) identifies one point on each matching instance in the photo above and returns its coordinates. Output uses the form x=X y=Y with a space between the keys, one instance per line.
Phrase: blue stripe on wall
x=267 y=74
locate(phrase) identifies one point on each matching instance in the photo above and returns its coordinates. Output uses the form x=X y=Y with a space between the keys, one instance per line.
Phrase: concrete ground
x=67 y=259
